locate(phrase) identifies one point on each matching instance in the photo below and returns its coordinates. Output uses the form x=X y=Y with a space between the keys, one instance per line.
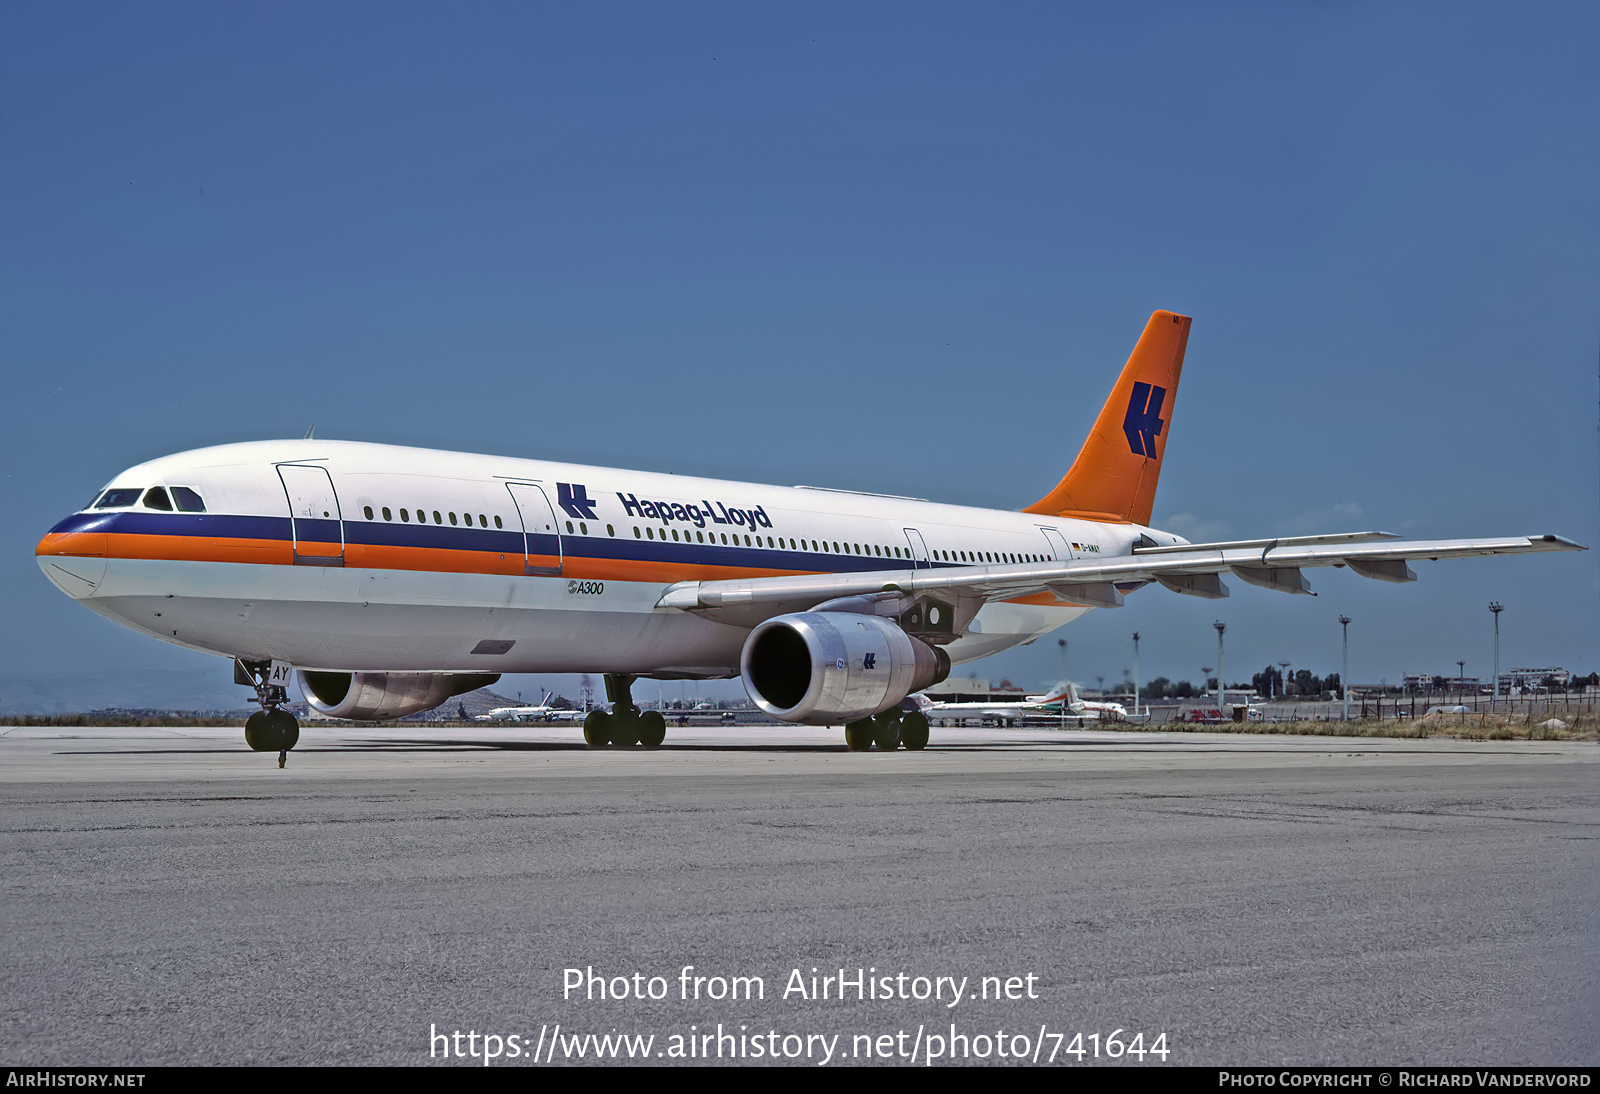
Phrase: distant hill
x=155 y=689
x=476 y=703
x=171 y=690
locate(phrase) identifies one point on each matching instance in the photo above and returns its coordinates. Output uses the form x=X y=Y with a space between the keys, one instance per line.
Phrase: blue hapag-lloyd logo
x=575 y=500
x=869 y=661
x=698 y=515
x=1142 y=424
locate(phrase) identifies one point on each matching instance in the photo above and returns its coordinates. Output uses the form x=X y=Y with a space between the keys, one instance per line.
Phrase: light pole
x=1494 y=606
x=1062 y=701
x=1461 y=681
x=1283 y=680
x=1136 y=674
x=1222 y=687
x=1344 y=673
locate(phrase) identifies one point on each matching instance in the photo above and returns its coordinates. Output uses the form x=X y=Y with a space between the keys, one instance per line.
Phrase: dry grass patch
x=1468 y=727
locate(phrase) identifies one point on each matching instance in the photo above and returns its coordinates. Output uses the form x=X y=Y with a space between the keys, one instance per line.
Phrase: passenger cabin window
x=367 y=509
x=156 y=498
x=405 y=516
x=187 y=500
x=386 y=515
x=497 y=523
x=452 y=518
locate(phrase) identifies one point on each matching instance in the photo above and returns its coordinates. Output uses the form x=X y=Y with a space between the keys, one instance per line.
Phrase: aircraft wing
x=1191 y=569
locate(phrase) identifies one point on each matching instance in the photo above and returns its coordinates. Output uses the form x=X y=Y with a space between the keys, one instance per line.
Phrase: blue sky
x=893 y=247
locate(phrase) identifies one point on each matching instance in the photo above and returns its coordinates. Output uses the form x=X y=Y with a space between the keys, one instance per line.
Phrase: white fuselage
x=364 y=557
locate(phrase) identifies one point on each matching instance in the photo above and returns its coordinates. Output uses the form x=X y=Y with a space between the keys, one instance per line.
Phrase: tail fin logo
x=1143 y=421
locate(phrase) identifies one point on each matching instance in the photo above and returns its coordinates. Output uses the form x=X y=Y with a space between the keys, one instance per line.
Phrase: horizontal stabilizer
x=1091 y=594
x=1382 y=569
x=1208 y=586
x=1283 y=579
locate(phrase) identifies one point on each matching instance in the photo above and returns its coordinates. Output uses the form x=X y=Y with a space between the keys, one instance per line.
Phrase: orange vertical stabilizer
x=1114 y=476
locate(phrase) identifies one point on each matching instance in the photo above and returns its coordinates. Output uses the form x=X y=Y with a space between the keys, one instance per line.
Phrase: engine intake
x=821 y=668
x=380 y=696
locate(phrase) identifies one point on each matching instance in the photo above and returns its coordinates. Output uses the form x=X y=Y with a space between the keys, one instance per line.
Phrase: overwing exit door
x=919 y=549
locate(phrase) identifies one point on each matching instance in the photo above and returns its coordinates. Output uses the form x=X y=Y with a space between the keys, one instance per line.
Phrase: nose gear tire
x=271 y=731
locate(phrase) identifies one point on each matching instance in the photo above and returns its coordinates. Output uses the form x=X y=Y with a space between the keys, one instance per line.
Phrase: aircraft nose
x=73 y=555
x=80 y=534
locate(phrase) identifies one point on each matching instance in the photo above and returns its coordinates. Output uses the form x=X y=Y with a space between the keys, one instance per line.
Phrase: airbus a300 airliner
x=394 y=578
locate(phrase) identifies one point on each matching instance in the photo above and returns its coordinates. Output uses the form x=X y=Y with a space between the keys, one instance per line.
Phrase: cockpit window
x=187 y=500
x=156 y=498
x=117 y=499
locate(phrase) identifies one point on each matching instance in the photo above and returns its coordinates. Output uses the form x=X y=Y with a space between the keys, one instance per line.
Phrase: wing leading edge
x=1194 y=570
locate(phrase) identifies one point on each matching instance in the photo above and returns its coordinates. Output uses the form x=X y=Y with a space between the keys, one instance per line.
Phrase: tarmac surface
x=171 y=897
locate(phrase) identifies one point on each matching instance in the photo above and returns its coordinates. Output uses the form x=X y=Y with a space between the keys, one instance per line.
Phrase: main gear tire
x=914 y=731
x=858 y=735
x=886 y=730
x=652 y=728
x=597 y=729
x=624 y=729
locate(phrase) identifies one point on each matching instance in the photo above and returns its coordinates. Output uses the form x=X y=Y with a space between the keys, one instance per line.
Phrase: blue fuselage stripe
x=488 y=540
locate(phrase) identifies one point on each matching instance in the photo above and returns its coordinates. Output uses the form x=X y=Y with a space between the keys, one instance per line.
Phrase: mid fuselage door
x=1059 y=547
x=919 y=549
x=314 y=515
x=541 y=537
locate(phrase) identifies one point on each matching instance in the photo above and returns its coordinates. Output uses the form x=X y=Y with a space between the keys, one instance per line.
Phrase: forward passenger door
x=314 y=515
x=541 y=537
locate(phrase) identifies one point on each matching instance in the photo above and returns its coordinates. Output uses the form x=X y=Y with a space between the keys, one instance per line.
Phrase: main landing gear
x=271 y=728
x=626 y=724
x=888 y=731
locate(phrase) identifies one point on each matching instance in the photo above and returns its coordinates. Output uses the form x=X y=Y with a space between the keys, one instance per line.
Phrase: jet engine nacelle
x=380 y=696
x=822 y=668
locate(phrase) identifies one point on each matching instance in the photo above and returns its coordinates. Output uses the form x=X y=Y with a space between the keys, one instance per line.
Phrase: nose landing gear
x=270 y=729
